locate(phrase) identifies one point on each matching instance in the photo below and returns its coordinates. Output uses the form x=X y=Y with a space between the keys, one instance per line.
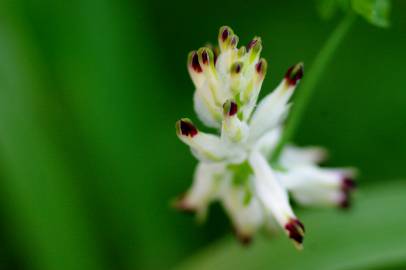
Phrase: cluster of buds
x=233 y=165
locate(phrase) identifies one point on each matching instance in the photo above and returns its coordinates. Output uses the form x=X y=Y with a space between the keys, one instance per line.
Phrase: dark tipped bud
x=225 y=32
x=348 y=184
x=185 y=127
x=236 y=68
x=215 y=50
x=234 y=41
x=230 y=108
x=242 y=51
x=294 y=74
x=345 y=202
x=296 y=230
x=181 y=205
x=206 y=56
x=244 y=239
x=194 y=62
x=255 y=45
x=261 y=66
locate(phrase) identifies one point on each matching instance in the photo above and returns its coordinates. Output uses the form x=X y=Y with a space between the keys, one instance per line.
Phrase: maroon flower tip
x=296 y=230
x=181 y=205
x=348 y=184
x=345 y=202
x=238 y=69
x=233 y=109
x=187 y=128
x=205 y=57
x=258 y=66
x=234 y=41
x=225 y=34
x=252 y=44
x=294 y=74
x=230 y=108
x=244 y=239
x=195 y=63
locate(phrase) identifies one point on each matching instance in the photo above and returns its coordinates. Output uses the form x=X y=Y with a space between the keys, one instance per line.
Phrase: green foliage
x=89 y=93
x=367 y=237
x=375 y=12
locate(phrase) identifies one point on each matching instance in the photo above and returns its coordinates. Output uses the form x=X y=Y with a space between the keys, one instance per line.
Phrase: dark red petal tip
x=234 y=41
x=230 y=108
x=348 y=184
x=205 y=57
x=261 y=66
x=296 y=230
x=236 y=67
x=345 y=202
x=243 y=238
x=187 y=128
x=294 y=74
x=254 y=43
x=225 y=32
x=194 y=62
x=181 y=205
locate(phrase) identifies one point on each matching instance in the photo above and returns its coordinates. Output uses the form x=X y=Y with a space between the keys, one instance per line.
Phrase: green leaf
x=367 y=236
x=328 y=8
x=45 y=211
x=374 y=11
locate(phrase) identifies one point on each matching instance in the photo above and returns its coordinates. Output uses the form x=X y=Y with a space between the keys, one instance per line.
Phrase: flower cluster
x=233 y=167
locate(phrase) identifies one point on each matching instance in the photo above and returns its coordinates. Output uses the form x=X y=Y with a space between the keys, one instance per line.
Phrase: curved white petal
x=267 y=143
x=310 y=185
x=207 y=147
x=246 y=217
x=271 y=110
x=205 y=188
x=233 y=129
x=297 y=156
x=205 y=109
x=275 y=199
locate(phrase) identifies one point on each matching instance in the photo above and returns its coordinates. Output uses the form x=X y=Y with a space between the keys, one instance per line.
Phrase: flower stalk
x=309 y=84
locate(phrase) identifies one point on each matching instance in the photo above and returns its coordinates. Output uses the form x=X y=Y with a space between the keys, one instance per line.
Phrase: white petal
x=297 y=156
x=274 y=107
x=269 y=190
x=233 y=129
x=205 y=188
x=205 y=109
x=208 y=147
x=195 y=71
x=275 y=199
x=270 y=111
x=315 y=186
x=267 y=143
x=246 y=218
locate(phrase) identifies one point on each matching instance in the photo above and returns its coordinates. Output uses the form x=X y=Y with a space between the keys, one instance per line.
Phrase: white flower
x=233 y=167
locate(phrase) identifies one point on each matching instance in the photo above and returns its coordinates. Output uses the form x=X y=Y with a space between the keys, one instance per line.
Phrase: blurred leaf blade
x=108 y=81
x=354 y=240
x=43 y=204
x=374 y=11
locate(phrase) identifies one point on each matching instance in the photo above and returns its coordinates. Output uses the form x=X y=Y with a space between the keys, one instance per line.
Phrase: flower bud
x=294 y=74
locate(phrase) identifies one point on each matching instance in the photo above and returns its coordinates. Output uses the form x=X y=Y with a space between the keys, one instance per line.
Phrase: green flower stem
x=310 y=82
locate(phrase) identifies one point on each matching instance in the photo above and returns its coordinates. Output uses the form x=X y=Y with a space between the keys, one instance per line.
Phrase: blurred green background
x=89 y=160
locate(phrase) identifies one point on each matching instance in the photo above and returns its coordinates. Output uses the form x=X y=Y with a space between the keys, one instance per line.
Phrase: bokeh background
x=89 y=160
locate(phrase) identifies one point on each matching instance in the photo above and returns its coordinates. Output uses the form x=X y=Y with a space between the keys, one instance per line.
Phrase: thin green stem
x=310 y=82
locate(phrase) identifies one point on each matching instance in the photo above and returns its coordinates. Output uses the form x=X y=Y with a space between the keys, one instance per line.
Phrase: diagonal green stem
x=310 y=82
